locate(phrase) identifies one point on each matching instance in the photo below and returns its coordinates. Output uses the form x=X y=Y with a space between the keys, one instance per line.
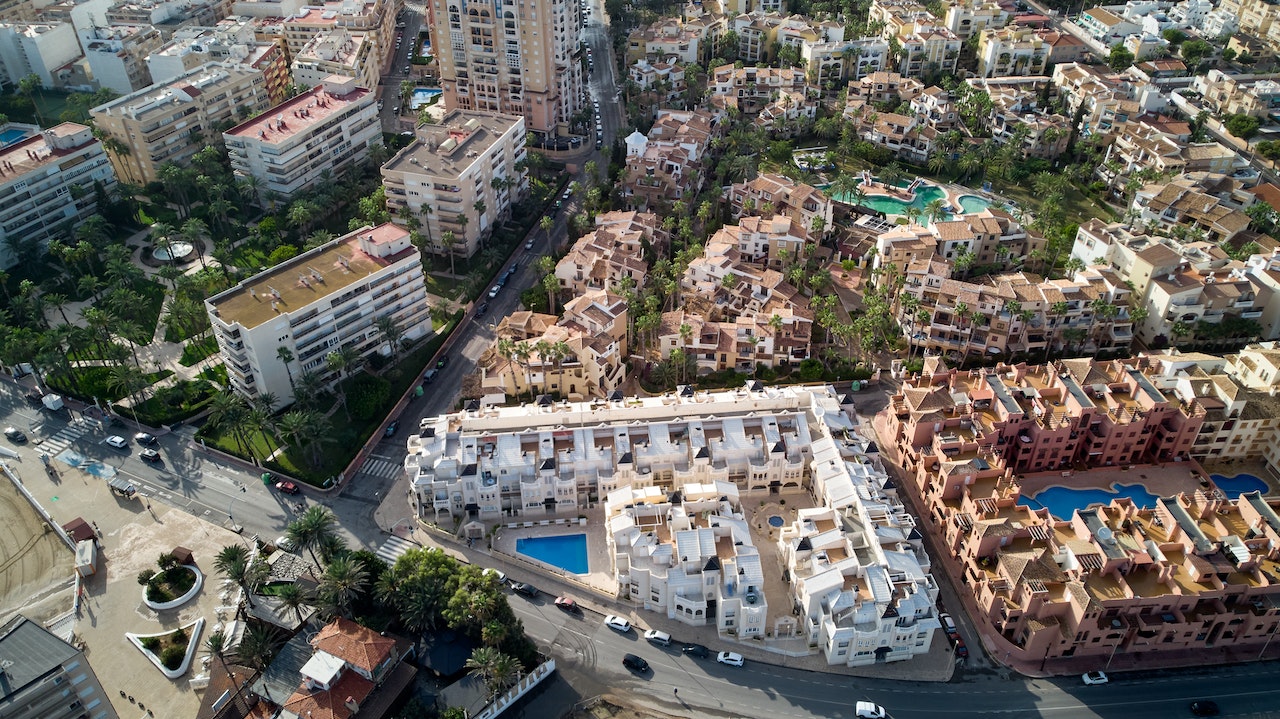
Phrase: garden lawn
x=196 y=350
x=147 y=315
x=442 y=286
x=175 y=403
x=262 y=444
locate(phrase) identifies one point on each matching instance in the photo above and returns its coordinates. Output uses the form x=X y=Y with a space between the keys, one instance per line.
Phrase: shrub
x=145 y=576
x=157 y=594
x=167 y=561
x=281 y=254
x=810 y=370
x=367 y=396
x=180 y=636
x=765 y=373
x=172 y=657
x=151 y=644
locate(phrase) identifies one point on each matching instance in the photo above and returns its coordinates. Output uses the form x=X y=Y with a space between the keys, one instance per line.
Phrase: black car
x=634 y=663
x=526 y=589
x=1204 y=708
x=144 y=438
x=15 y=435
x=481 y=309
x=391 y=429
x=696 y=650
x=150 y=455
x=442 y=362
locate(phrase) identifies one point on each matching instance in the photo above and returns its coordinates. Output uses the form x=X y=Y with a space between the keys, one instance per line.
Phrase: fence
x=522 y=687
x=17 y=483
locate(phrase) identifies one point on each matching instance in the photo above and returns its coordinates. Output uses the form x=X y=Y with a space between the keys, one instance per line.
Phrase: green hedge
x=173 y=404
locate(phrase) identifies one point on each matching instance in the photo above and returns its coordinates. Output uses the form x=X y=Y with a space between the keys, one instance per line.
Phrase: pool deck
x=952 y=193
x=1163 y=480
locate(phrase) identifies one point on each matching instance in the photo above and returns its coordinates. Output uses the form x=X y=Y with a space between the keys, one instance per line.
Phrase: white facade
x=36 y=48
x=117 y=55
x=37 y=177
x=320 y=300
x=290 y=146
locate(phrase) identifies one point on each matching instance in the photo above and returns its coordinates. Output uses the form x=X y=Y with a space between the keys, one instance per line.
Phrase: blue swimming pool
x=924 y=194
x=10 y=136
x=1239 y=484
x=1062 y=501
x=423 y=96
x=567 y=551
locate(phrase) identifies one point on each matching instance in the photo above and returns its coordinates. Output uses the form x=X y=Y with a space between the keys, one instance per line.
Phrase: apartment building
x=927 y=45
x=1157 y=144
x=665 y=38
x=673 y=473
x=909 y=136
x=1183 y=575
x=859 y=572
x=117 y=55
x=611 y=253
x=992 y=237
x=665 y=74
x=47 y=182
x=1012 y=51
x=1256 y=18
x=773 y=194
x=350 y=667
x=1238 y=94
x=322 y=299
x=1183 y=202
x=337 y=52
x=722 y=284
x=515 y=59
x=972 y=17
x=751 y=89
x=330 y=128
x=1016 y=113
x=169 y=123
x=168 y=15
x=1106 y=27
x=47 y=678
x=1107 y=98
x=582 y=356
x=230 y=41
x=829 y=63
x=459 y=176
x=668 y=164
x=777 y=339
x=40 y=49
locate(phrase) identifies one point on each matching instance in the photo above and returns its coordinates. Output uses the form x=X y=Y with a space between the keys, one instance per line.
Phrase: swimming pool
x=1062 y=501
x=566 y=551
x=925 y=194
x=1239 y=484
x=423 y=96
x=10 y=136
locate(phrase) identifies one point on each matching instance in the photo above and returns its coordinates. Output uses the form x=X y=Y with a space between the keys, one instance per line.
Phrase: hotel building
x=288 y=148
x=320 y=300
x=47 y=181
x=46 y=678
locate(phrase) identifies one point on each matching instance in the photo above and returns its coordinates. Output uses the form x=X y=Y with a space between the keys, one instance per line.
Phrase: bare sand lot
x=33 y=560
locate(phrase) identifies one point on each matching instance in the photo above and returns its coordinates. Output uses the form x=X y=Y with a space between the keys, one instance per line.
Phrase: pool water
x=1235 y=486
x=775 y=521
x=422 y=96
x=925 y=194
x=567 y=551
x=970 y=204
x=1063 y=501
x=10 y=136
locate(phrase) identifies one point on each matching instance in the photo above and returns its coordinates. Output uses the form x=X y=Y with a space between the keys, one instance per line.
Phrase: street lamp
x=230 y=518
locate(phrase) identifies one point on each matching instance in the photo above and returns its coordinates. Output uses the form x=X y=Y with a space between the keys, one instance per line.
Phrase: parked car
x=656 y=637
x=493 y=291
x=15 y=435
x=634 y=663
x=440 y=363
x=1095 y=678
x=144 y=438
x=567 y=604
x=948 y=624
x=961 y=650
x=696 y=650
x=430 y=375
x=482 y=308
x=150 y=455
x=868 y=710
x=117 y=441
x=1204 y=708
x=526 y=589
x=283 y=544
x=733 y=659
x=288 y=487
x=528 y=245
x=497 y=574
x=391 y=429
x=617 y=624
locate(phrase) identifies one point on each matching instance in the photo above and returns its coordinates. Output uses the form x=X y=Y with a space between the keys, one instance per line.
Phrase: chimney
x=352 y=705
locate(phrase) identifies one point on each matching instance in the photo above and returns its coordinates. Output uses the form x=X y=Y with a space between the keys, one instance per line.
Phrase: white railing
x=522 y=687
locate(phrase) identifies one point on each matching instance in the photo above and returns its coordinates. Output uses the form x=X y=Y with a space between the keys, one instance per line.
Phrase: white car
x=117 y=441
x=500 y=576
x=733 y=659
x=868 y=710
x=617 y=623
x=283 y=544
x=1095 y=678
x=657 y=637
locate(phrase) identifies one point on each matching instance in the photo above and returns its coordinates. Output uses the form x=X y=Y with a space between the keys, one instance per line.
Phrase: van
x=948 y=625
x=430 y=375
x=868 y=710
x=654 y=636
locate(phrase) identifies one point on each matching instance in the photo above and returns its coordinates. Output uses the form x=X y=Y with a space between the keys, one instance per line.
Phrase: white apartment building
x=858 y=569
x=969 y=17
x=235 y=42
x=446 y=177
x=47 y=678
x=171 y=122
x=1013 y=51
x=42 y=49
x=320 y=300
x=337 y=52
x=46 y=181
x=288 y=148
x=117 y=55
x=168 y=13
x=521 y=59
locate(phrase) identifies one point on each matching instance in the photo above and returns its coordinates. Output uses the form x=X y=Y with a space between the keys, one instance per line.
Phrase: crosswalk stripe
x=393 y=549
x=379 y=468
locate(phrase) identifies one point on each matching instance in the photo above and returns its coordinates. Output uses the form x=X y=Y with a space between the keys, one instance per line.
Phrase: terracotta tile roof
x=331 y=704
x=356 y=645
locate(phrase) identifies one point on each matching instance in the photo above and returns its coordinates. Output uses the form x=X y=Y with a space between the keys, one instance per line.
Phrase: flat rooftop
x=298 y=115
x=35 y=152
x=291 y=286
x=448 y=148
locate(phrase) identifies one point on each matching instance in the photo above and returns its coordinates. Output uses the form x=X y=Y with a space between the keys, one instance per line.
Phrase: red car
x=287 y=487
x=567 y=604
x=961 y=650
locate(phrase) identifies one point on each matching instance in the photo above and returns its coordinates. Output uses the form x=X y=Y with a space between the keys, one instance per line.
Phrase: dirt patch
x=33 y=559
x=610 y=707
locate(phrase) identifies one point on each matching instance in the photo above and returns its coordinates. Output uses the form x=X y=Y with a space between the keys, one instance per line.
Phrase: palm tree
x=933 y=210
x=285 y=355
x=216 y=645
x=340 y=361
x=505 y=671
x=309 y=531
x=233 y=563
x=257 y=646
x=228 y=413
x=390 y=331
x=344 y=580
x=482 y=662
x=293 y=596
x=195 y=231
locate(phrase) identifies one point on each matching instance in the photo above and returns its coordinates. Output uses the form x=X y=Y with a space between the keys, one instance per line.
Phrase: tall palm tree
x=390 y=331
x=342 y=361
x=258 y=645
x=285 y=355
x=294 y=597
x=309 y=530
x=344 y=580
x=216 y=645
x=482 y=662
x=233 y=563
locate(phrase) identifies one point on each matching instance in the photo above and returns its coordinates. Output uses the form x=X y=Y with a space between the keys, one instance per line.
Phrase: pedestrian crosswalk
x=64 y=437
x=381 y=468
x=393 y=549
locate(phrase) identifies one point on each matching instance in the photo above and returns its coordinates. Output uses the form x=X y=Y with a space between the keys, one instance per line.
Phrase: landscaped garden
x=169 y=648
x=171 y=582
